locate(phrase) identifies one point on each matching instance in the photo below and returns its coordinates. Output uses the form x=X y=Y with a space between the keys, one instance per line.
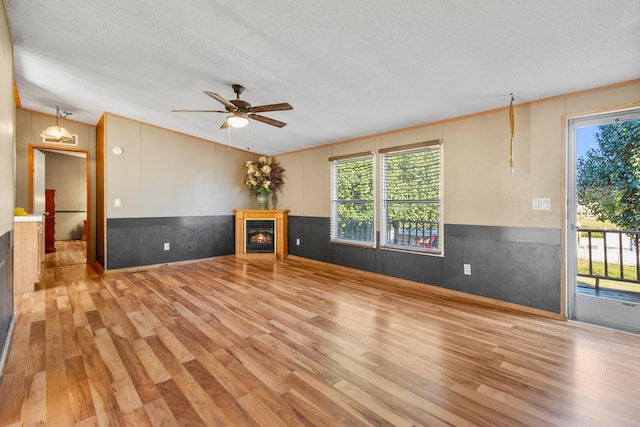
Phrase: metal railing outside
x=356 y=230
x=614 y=249
x=400 y=232
x=405 y=232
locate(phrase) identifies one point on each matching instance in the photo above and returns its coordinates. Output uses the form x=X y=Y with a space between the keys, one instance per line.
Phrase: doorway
x=603 y=258
x=64 y=174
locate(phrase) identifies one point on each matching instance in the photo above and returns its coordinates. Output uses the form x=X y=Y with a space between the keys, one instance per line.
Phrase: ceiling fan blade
x=225 y=124
x=222 y=101
x=272 y=107
x=267 y=120
x=198 y=111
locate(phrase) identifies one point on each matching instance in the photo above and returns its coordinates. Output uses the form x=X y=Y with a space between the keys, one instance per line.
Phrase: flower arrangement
x=263 y=177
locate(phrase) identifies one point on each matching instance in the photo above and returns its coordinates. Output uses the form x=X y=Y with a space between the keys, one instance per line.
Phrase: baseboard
x=166 y=264
x=5 y=347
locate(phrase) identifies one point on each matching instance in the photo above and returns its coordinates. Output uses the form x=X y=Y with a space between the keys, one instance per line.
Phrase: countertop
x=27 y=218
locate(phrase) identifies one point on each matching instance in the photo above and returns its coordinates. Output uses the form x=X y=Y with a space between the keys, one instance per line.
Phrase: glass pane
x=355 y=222
x=414 y=224
x=411 y=207
x=353 y=208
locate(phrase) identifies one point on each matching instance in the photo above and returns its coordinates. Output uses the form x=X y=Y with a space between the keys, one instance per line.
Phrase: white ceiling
x=349 y=68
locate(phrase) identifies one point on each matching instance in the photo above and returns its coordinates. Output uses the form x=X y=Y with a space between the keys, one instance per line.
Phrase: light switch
x=117 y=203
x=541 y=204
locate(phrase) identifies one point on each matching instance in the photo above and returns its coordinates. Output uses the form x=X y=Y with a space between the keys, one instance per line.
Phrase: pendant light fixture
x=57 y=133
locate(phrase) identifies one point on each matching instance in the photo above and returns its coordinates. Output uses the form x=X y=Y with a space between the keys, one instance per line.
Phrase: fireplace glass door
x=260 y=235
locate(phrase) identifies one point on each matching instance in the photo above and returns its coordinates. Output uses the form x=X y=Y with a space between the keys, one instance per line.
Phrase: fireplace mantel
x=281 y=219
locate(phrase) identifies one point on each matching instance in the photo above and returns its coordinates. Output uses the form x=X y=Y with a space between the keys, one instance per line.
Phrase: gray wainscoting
x=520 y=265
x=315 y=243
x=515 y=264
x=133 y=242
x=6 y=286
x=313 y=234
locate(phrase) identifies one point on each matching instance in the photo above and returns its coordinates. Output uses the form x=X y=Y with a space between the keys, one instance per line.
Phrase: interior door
x=584 y=304
x=38 y=181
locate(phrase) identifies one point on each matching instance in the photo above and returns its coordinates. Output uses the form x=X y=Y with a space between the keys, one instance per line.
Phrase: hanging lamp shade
x=237 y=120
x=57 y=133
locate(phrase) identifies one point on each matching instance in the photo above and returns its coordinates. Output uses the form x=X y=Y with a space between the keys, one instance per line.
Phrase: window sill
x=355 y=244
x=437 y=253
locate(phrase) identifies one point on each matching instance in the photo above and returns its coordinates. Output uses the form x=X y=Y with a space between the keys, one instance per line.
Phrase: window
x=410 y=211
x=352 y=205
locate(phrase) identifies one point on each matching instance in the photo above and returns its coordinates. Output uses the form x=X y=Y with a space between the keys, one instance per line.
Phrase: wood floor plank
x=57 y=387
x=100 y=385
x=160 y=414
x=37 y=355
x=218 y=394
x=20 y=342
x=143 y=384
x=12 y=391
x=152 y=365
x=80 y=400
x=121 y=382
x=235 y=342
x=34 y=407
x=199 y=401
x=261 y=414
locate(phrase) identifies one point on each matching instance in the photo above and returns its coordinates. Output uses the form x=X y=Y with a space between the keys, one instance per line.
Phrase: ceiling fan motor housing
x=242 y=106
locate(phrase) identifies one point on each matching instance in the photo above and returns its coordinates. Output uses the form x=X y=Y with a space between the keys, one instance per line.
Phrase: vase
x=263 y=201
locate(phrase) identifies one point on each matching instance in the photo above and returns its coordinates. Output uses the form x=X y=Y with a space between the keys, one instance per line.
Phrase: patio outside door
x=603 y=275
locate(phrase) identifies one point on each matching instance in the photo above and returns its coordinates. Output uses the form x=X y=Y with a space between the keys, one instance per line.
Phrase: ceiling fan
x=241 y=111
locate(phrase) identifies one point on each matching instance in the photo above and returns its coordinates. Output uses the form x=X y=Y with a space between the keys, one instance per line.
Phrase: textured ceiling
x=348 y=68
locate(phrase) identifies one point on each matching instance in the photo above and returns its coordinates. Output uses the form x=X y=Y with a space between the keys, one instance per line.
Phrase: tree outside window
x=410 y=211
x=352 y=204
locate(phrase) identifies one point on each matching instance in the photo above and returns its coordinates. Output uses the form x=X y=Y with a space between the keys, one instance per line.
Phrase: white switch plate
x=167 y=246
x=467 y=269
x=117 y=203
x=541 y=204
x=297 y=242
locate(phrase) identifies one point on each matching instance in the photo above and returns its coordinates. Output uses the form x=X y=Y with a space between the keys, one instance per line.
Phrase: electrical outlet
x=467 y=269
x=167 y=246
x=297 y=242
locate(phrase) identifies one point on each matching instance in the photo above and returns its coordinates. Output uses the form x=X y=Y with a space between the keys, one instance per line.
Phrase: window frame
x=384 y=232
x=334 y=238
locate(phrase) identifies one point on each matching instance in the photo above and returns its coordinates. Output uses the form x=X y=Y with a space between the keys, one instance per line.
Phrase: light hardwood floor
x=231 y=342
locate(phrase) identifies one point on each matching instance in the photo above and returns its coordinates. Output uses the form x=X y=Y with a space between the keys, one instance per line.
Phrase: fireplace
x=260 y=236
x=261 y=233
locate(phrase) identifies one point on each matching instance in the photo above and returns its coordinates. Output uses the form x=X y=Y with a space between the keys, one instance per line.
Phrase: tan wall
x=29 y=126
x=7 y=108
x=166 y=174
x=478 y=186
x=67 y=175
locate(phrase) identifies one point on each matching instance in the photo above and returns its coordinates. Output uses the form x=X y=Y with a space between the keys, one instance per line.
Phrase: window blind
x=410 y=194
x=352 y=199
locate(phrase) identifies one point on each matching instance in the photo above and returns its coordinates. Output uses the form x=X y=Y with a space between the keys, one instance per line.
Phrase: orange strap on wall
x=511 y=123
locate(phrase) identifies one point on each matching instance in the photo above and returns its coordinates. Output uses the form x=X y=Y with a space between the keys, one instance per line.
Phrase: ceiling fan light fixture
x=237 y=120
x=57 y=133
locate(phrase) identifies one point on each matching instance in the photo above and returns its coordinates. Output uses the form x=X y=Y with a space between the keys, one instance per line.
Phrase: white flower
x=263 y=159
x=266 y=169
